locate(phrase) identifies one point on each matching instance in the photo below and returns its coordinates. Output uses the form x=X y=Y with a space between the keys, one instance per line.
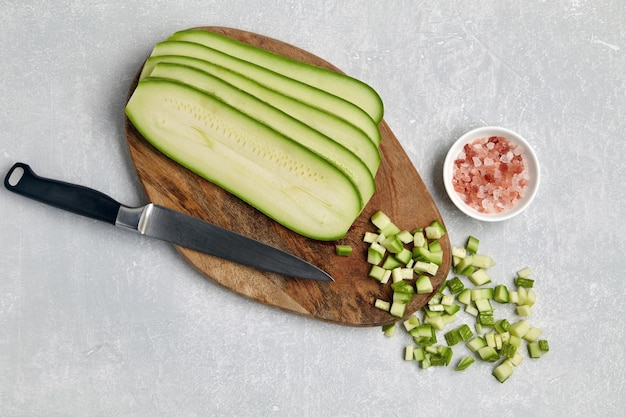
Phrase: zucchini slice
x=299 y=90
x=325 y=147
x=279 y=177
x=335 y=83
x=326 y=123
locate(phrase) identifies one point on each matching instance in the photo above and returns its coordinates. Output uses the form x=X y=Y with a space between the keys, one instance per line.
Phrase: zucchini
x=261 y=166
x=333 y=82
x=273 y=80
x=325 y=147
x=334 y=127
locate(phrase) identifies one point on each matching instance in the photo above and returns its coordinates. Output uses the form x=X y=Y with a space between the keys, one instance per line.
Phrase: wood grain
x=349 y=300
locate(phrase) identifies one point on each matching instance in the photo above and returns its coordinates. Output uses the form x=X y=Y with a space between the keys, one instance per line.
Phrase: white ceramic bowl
x=532 y=166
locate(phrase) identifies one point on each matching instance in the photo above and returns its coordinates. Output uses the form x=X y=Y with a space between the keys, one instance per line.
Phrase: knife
x=161 y=223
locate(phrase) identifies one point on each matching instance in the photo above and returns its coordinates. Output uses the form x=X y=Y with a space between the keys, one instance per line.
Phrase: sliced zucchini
x=325 y=147
x=328 y=124
x=335 y=83
x=268 y=170
x=273 y=80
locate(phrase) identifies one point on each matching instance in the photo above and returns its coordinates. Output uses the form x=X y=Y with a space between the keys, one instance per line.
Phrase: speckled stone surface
x=95 y=321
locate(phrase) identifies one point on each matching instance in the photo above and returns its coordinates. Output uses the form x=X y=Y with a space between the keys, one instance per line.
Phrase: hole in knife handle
x=15 y=176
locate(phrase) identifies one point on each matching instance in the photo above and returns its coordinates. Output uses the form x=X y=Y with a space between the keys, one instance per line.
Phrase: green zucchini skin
x=271 y=172
x=313 y=140
x=278 y=82
x=326 y=123
x=333 y=82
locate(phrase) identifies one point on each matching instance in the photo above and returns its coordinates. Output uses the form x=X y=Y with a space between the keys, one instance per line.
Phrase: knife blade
x=160 y=223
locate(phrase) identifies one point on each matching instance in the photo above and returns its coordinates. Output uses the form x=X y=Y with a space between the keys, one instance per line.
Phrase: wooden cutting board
x=348 y=300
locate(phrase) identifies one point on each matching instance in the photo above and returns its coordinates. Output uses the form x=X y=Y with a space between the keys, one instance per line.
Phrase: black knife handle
x=74 y=198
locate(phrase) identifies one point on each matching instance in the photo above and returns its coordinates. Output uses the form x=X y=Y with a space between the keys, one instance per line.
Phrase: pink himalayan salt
x=490 y=174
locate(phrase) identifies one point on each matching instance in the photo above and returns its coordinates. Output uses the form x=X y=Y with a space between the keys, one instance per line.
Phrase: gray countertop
x=98 y=322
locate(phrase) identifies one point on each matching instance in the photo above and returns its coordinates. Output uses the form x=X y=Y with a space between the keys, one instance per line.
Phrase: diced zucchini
x=370 y=237
x=471 y=310
x=524 y=311
x=482 y=261
x=488 y=354
x=516 y=359
x=502 y=326
x=515 y=340
x=508 y=350
x=419 y=240
x=501 y=294
x=402 y=297
x=524 y=272
x=478 y=327
x=455 y=285
x=476 y=343
x=423 y=254
x=390 y=230
x=465 y=332
x=389 y=329
x=382 y=304
x=531 y=297
x=397 y=309
x=374 y=257
x=447 y=300
x=480 y=277
x=486 y=319
x=419 y=354
x=472 y=245
x=428 y=267
x=464 y=363
x=483 y=305
x=482 y=294
x=444 y=352
x=532 y=334
x=524 y=282
x=459 y=252
x=519 y=328
x=393 y=244
x=521 y=296
x=380 y=220
x=503 y=371
x=396 y=274
x=408 y=353
x=377 y=272
x=391 y=262
x=386 y=276
x=464 y=267
x=534 y=350
x=452 y=309
x=404 y=256
x=435 y=307
x=435 y=230
x=465 y=296
x=405 y=236
x=402 y=287
x=423 y=285
x=412 y=322
x=435 y=246
x=453 y=337
x=343 y=250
